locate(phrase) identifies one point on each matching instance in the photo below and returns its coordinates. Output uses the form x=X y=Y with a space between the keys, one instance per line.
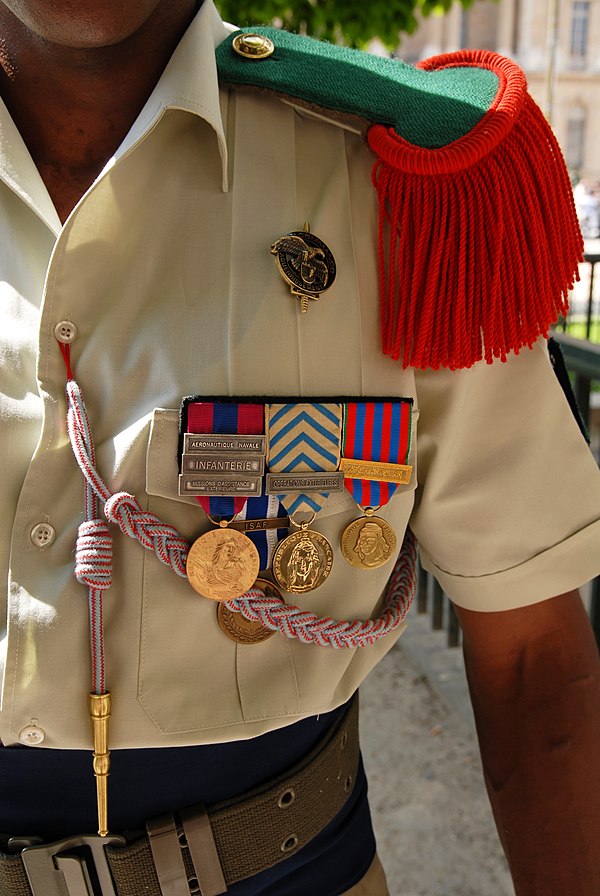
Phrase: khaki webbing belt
x=200 y=851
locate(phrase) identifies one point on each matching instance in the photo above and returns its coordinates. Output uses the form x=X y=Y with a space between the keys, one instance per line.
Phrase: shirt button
x=65 y=331
x=32 y=735
x=42 y=535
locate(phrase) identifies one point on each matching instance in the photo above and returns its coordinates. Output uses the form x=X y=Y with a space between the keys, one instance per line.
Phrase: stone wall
x=519 y=28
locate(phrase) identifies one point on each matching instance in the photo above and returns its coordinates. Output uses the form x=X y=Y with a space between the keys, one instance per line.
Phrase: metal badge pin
x=306 y=264
x=253 y=46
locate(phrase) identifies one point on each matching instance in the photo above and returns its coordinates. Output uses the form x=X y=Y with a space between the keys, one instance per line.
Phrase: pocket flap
x=162 y=468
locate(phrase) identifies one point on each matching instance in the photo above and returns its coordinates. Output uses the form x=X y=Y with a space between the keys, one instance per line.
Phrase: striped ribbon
x=224 y=418
x=267 y=507
x=376 y=431
x=303 y=438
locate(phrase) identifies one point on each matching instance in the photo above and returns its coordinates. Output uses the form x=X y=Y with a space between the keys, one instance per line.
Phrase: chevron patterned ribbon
x=303 y=438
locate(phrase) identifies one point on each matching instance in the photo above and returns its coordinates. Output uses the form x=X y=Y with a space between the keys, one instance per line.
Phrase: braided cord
x=312 y=629
x=94 y=562
x=121 y=508
x=93 y=556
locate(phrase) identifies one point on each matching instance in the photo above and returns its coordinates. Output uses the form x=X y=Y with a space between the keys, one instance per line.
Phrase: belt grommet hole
x=289 y=843
x=344 y=740
x=348 y=783
x=287 y=798
x=182 y=840
x=194 y=886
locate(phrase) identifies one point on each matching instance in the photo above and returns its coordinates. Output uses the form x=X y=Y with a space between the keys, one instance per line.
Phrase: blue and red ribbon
x=224 y=418
x=376 y=431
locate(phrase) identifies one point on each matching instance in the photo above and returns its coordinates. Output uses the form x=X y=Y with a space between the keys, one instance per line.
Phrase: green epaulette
x=480 y=241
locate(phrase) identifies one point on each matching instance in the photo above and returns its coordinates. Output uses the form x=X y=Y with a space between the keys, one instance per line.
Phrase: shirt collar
x=189 y=82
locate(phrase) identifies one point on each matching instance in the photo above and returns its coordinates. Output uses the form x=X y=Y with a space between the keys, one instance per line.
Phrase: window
x=579 y=30
x=575 y=142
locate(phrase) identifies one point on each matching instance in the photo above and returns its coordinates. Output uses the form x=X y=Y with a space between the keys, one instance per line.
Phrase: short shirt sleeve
x=508 y=504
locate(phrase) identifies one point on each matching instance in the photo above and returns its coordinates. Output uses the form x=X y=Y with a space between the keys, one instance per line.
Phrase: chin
x=86 y=24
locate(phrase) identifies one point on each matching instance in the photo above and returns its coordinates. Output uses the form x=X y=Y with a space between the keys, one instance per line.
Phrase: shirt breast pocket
x=192 y=676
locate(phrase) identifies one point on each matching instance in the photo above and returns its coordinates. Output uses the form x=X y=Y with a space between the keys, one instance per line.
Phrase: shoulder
x=479 y=241
x=430 y=105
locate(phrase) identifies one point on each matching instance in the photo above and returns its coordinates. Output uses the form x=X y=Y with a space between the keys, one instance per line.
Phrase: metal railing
x=583 y=363
x=582 y=359
x=583 y=319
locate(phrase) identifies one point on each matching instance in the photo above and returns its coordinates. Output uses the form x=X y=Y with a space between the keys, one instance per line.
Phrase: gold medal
x=369 y=542
x=222 y=564
x=242 y=630
x=302 y=561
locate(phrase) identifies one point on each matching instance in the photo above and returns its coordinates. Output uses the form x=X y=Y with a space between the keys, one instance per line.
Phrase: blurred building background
x=556 y=42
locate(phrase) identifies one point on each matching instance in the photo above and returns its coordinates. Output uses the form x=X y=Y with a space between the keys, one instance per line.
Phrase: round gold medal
x=368 y=543
x=242 y=630
x=302 y=561
x=222 y=564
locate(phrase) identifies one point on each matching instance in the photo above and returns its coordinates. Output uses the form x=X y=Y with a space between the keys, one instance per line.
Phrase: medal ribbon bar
x=220 y=478
x=304 y=438
x=376 y=433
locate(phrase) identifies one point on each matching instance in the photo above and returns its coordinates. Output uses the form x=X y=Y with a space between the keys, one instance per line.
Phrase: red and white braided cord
x=312 y=629
x=93 y=564
x=122 y=508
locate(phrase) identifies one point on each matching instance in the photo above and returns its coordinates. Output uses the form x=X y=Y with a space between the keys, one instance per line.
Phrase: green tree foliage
x=352 y=22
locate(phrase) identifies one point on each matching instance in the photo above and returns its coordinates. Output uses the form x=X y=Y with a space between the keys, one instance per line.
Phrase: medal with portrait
x=376 y=448
x=302 y=561
x=368 y=543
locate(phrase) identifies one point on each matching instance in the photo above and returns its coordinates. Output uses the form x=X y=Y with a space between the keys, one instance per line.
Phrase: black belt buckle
x=76 y=866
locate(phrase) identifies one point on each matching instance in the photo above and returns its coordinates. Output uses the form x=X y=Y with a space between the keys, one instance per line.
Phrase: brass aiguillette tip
x=100 y=706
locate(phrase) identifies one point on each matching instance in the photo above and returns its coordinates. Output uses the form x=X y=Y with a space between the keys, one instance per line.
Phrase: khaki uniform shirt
x=165 y=271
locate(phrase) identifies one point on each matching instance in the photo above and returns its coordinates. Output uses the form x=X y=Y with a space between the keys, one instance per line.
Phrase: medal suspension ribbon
x=172 y=549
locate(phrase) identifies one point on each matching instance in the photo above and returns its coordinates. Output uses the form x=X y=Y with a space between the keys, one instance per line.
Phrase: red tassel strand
x=479 y=243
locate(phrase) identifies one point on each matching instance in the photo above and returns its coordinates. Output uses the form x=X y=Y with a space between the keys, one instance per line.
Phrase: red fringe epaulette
x=479 y=241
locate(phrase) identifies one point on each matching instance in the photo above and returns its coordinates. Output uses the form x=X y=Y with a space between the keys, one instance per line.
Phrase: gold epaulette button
x=253 y=46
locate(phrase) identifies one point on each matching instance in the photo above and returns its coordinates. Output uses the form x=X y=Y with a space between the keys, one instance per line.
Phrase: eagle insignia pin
x=306 y=264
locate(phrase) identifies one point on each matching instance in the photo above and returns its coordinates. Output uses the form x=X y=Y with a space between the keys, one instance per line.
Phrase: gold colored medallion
x=302 y=561
x=222 y=564
x=242 y=630
x=369 y=542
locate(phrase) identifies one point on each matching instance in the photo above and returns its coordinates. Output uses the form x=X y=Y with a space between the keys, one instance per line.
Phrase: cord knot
x=123 y=509
x=93 y=555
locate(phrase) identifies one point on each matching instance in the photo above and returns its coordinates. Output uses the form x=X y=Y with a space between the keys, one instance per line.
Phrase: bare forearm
x=547 y=805
x=538 y=718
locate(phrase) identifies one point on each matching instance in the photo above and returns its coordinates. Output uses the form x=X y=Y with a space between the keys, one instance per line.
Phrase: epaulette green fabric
x=428 y=111
x=478 y=233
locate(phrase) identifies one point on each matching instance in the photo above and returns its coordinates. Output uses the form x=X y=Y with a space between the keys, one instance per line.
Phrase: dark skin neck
x=74 y=106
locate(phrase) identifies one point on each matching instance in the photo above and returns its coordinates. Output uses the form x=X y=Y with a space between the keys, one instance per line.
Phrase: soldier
x=198 y=274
